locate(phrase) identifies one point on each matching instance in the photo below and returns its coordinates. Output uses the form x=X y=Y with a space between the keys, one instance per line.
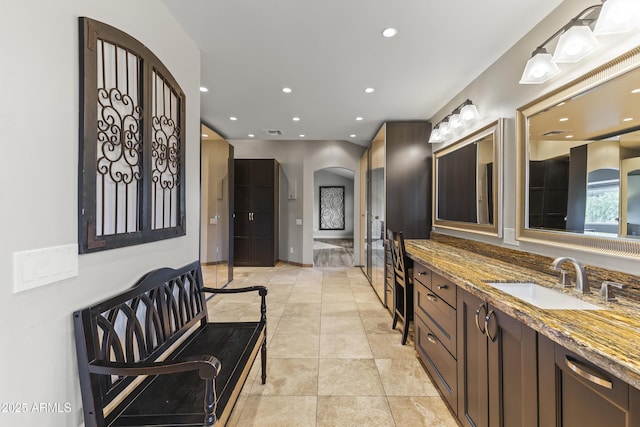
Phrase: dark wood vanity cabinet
x=575 y=393
x=255 y=235
x=497 y=366
x=435 y=329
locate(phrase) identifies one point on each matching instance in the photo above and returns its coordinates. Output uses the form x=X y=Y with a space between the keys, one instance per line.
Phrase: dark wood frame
x=344 y=219
x=89 y=241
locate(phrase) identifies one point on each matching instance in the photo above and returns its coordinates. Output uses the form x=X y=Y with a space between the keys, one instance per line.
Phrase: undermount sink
x=543 y=297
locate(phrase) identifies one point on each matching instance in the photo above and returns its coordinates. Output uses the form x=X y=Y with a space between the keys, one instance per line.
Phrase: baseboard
x=224 y=261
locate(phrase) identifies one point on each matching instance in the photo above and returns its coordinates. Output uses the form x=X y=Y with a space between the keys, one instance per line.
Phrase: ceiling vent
x=272 y=132
x=553 y=133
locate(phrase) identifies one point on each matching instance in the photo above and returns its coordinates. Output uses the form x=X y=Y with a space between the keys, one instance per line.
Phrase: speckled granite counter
x=608 y=338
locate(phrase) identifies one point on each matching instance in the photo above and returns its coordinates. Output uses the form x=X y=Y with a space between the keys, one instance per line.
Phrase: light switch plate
x=298 y=221
x=40 y=267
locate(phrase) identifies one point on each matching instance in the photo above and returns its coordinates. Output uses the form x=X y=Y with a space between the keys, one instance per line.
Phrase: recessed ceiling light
x=627 y=119
x=287 y=90
x=353 y=135
x=636 y=90
x=302 y=135
x=204 y=135
x=389 y=32
x=564 y=119
x=233 y=118
x=569 y=136
x=251 y=135
x=369 y=90
x=203 y=89
x=359 y=118
x=296 y=119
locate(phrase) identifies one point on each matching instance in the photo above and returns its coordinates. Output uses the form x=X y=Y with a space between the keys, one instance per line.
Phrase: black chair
x=402 y=283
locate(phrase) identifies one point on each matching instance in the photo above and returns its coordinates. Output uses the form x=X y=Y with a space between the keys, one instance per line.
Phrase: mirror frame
x=497 y=129
x=618 y=246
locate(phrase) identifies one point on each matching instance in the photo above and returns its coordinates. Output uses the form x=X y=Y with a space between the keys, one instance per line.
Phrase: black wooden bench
x=149 y=356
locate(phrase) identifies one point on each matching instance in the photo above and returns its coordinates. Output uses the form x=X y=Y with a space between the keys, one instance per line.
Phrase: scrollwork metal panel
x=332 y=208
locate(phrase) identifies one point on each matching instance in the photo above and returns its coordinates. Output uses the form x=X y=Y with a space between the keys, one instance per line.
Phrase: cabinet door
x=513 y=399
x=473 y=391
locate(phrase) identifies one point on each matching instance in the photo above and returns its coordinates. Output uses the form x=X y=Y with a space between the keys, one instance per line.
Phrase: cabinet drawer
x=444 y=288
x=597 y=380
x=437 y=315
x=421 y=274
x=440 y=364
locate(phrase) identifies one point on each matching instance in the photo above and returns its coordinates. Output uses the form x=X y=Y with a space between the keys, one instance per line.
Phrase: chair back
x=398 y=257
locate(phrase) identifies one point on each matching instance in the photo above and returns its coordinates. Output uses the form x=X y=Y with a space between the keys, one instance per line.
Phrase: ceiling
x=329 y=51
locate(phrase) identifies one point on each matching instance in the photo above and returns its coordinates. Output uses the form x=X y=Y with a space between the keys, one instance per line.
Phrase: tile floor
x=333 y=359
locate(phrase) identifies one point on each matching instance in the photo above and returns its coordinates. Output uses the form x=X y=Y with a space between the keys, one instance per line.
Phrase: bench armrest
x=207 y=367
x=262 y=291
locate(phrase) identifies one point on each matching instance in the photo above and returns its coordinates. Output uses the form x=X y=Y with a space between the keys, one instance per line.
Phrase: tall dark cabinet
x=255 y=237
x=397 y=194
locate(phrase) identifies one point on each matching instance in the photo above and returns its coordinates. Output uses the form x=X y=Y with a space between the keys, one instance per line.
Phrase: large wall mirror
x=579 y=162
x=467 y=177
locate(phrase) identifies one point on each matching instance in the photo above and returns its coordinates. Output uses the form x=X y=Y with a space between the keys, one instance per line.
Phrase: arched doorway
x=333 y=217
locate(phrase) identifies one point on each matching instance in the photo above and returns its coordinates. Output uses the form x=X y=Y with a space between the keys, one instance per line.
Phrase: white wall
x=298 y=162
x=325 y=178
x=497 y=93
x=39 y=122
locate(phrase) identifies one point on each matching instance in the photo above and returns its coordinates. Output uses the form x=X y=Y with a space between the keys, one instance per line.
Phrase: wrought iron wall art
x=131 y=143
x=332 y=208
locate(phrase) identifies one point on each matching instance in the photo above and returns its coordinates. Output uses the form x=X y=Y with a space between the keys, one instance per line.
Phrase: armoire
x=255 y=219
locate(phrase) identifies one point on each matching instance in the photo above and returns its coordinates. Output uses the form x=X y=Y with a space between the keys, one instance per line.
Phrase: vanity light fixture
x=618 y=16
x=577 y=40
x=461 y=117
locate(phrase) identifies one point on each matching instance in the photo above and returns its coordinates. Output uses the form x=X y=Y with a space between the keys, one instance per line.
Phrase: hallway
x=333 y=253
x=333 y=359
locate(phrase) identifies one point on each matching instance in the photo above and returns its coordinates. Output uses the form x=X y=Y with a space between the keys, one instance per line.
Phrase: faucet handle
x=605 y=290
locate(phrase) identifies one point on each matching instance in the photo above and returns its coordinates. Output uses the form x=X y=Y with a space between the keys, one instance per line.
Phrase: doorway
x=333 y=217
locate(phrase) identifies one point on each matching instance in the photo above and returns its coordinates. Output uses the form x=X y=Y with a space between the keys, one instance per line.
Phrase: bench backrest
x=140 y=324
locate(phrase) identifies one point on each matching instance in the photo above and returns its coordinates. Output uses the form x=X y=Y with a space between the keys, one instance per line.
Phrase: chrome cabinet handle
x=482 y=307
x=421 y=273
x=432 y=339
x=487 y=318
x=432 y=298
x=443 y=286
x=587 y=373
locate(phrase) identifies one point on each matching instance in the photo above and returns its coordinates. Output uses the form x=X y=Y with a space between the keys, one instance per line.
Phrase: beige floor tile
x=293 y=346
x=340 y=309
x=404 y=377
x=337 y=325
x=333 y=296
x=345 y=347
x=279 y=411
x=307 y=296
x=289 y=377
x=366 y=296
x=355 y=411
x=299 y=325
x=372 y=309
x=380 y=324
x=301 y=309
x=349 y=377
x=389 y=346
x=421 y=411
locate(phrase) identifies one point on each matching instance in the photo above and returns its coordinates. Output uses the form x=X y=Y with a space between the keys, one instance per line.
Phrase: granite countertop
x=608 y=338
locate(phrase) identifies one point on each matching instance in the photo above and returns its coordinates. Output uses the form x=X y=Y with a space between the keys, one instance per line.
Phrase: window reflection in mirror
x=467 y=182
x=583 y=156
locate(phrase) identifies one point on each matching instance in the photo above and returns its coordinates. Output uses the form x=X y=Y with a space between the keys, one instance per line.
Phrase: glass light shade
x=575 y=44
x=445 y=129
x=455 y=122
x=618 y=16
x=469 y=113
x=435 y=136
x=539 y=69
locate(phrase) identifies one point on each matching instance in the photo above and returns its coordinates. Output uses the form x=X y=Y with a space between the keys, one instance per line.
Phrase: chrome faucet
x=582 y=283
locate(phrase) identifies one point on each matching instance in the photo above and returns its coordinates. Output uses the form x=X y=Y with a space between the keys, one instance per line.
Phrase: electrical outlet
x=290 y=249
